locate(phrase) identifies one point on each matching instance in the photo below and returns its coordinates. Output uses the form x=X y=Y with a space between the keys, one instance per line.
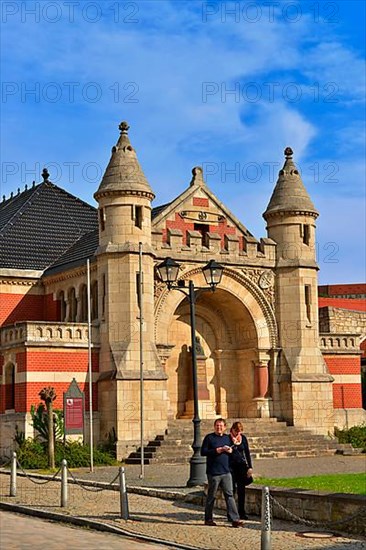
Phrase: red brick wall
x=347 y=396
x=21 y=360
x=334 y=290
x=51 y=308
x=343 y=303
x=26 y=394
x=188 y=225
x=57 y=361
x=223 y=229
x=200 y=201
x=178 y=223
x=343 y=364
x=21 y=307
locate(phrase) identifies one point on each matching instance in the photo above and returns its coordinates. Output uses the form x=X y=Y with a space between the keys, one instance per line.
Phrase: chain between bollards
x=123 y=494
x=13 y=475
x=266 y=520
x=63 y=483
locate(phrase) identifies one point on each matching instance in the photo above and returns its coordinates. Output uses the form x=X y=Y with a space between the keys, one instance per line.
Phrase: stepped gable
x=197 y=205
x=124 y=174
x=41 y=224
x=289 y=194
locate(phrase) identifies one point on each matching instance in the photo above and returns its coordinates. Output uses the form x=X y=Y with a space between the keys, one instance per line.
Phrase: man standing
x=217 y=448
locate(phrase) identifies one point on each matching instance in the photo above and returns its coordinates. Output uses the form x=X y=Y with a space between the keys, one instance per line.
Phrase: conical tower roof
x=290 y=194
x=124 y=174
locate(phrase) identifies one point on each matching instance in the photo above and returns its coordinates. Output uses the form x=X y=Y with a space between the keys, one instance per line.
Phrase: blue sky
x=226 y=85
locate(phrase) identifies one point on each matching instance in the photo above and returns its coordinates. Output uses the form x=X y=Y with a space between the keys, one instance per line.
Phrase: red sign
x=74 y=414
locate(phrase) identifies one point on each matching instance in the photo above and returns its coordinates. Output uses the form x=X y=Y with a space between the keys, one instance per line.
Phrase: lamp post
x=168 y=274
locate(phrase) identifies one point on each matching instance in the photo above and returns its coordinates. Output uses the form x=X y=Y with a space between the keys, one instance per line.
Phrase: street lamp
x=168 y=273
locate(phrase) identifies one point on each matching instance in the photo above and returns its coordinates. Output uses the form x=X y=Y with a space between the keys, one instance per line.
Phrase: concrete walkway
x=175 y=476
x=25 y=533
x=174 y=522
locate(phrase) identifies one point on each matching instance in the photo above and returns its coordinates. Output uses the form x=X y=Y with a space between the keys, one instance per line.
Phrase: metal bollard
x=266 y=521
x=63 y=483
x=123 y=494
x=13 y=475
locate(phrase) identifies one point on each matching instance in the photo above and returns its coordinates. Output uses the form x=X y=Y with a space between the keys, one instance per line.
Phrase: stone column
x=262 y=399
x=78 y=318
x=218 y=389
x=68 y=310
x=261 y=379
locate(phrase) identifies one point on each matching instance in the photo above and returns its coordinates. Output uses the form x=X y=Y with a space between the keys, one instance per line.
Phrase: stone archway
x=235 y=332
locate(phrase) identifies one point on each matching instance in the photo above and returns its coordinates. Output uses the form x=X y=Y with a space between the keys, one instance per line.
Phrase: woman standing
x=240 y=465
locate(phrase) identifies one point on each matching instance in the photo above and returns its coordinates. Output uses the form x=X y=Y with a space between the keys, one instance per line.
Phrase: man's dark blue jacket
x=217 y=464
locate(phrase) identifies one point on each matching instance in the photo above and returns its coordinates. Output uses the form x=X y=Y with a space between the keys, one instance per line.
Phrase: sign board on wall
x=74 y=409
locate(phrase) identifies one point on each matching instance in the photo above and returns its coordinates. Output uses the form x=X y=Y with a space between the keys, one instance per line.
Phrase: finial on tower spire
x=124 y=127
x=288 y=153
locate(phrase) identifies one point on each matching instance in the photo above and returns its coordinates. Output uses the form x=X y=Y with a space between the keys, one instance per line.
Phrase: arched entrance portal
x=227 y=355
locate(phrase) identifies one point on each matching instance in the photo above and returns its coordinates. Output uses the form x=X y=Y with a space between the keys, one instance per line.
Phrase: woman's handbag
x=248 y=480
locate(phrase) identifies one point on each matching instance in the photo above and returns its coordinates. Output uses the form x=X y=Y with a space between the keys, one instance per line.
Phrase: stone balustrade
x=48 y=334
x=339 y=343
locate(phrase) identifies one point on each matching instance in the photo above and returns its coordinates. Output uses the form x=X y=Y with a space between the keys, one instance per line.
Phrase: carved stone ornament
x=202 y=216
x=253 y=274
x=159 y=287
x=266 y=280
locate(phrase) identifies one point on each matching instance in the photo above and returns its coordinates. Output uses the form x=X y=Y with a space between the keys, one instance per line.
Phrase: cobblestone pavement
x=25 y=533
x=169 y=520
x=176 y=475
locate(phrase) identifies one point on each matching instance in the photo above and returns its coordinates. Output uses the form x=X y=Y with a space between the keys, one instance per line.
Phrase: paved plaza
x=171 y=521
x=25 y=533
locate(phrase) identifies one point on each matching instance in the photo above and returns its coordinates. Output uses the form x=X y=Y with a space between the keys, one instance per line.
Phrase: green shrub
x=355 y=435
x=32 y=454
x=40 y=421
x=78 y=455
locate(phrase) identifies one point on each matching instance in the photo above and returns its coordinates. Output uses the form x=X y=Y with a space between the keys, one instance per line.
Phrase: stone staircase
x=268 y=438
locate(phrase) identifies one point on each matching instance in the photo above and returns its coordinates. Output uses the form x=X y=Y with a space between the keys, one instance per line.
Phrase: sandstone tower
x=304 y=383
x=124 y=198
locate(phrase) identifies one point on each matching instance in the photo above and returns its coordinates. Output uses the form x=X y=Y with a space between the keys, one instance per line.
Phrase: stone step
x=268 y=438
x=169 y=449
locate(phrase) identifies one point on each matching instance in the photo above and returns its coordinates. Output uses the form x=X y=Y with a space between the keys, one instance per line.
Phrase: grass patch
x=336 y=483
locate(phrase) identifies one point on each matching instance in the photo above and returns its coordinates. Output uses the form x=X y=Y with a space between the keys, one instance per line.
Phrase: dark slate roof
x=85 y=248
x=40 y=224
x=156 y=211
x=47 y=228
x=77 y=254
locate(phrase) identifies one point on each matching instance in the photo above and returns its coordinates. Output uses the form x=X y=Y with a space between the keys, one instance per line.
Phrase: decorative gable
x=198 y=219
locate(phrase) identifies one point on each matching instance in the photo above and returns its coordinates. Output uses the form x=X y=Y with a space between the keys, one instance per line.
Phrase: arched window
x=62 y=306
x=94 y=300
x=10 y=387
x=72 y=305
x=83 y=304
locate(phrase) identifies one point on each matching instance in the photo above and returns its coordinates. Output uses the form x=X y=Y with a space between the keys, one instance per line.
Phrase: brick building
x=261 y=351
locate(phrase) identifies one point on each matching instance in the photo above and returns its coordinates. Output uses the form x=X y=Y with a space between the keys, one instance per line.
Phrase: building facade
x=260 y=350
